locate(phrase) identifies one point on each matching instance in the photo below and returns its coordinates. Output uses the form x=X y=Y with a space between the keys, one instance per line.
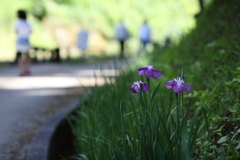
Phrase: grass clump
x=111 y=123
x=121 y=125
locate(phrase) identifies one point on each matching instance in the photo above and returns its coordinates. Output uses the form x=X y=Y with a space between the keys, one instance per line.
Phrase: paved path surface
x=27 y=102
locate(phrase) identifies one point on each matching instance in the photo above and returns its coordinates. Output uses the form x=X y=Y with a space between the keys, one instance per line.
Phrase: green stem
x=148 y=81
x=121 y=114
x=182 y=102
x=178 y=126
x=177 y=105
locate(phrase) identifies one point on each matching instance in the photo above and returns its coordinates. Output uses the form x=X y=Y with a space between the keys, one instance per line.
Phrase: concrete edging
x=40 y=143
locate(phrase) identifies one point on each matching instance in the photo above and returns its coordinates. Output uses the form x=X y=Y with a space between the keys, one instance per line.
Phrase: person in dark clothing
x=121 y=35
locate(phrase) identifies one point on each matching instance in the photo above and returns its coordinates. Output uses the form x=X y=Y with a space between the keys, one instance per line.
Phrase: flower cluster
x=148 y=71
x=177 y=85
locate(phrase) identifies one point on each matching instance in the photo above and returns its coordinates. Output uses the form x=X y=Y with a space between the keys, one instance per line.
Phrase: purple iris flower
x=178 y=85
x=139 y=85
x=149 y=71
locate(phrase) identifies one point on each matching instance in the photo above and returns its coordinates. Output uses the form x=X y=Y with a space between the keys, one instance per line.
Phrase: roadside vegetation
x=158 y=123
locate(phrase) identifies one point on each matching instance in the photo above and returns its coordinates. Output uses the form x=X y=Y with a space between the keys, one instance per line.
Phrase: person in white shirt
x=23 y=31
x=121 y=35
x=144 y=34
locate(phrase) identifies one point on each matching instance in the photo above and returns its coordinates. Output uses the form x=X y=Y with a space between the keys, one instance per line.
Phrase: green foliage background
x=210 y=56
x=166 y=18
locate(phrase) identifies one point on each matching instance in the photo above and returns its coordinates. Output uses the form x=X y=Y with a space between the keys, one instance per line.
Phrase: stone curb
x=39 y=146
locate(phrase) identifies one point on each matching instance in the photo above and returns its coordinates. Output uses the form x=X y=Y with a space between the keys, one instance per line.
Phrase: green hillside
x=210 y=55
x=116 y=124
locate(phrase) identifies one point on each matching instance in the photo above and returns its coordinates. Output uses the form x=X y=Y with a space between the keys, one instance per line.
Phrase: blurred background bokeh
x=55 y=23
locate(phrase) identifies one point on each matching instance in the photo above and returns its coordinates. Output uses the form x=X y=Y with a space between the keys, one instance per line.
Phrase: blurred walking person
x=82 y=41
x=23 y=31
x=144 y=34
x=121 y=35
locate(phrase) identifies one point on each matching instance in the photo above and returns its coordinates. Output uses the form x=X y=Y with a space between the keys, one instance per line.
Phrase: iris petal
x=188 y=88
x=144 y=87
x=134 y=89
x=131 y=89
x=169 y=84
x=156 y=74
x=141 y=70
x=148 y=73
x=178 y=87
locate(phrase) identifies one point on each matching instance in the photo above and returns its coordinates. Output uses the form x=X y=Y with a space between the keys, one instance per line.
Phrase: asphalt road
x=27 y=102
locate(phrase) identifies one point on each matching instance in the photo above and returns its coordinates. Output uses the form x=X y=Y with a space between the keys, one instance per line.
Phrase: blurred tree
x=38 y=10
x=201 y=5
x=63 y=1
